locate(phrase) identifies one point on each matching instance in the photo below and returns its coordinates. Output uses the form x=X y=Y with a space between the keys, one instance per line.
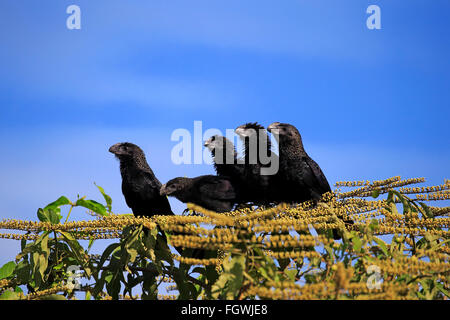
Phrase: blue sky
x=370 y=104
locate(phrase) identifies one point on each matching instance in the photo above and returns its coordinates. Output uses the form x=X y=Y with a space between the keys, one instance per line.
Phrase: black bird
x=225 y=159
x=210 y=192
x=140 y=186
x=224 y=155
x=300 y=177
x=258 y=157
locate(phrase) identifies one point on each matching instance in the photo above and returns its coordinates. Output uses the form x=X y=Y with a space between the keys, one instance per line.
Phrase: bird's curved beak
x=207 y=142
x=273 y=126
x=114 y=148
x=240 y=131
x=163 y=190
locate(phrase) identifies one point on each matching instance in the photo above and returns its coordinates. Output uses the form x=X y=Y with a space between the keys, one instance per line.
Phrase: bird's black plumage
x=225 y=160
x=299 y=178
x=214 y=193
x=258 y=156
x=140 y=186
x=224 y=155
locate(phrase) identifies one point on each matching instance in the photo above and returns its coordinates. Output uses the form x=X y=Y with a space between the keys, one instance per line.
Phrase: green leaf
x=42 y=243
x=390 y=197
x=357 y=244
x=211 y=274
x=43 y=263
x=108 y=251
x=23 y=271
x=442 y=289
x=91 y=242
x=113 y=286
x=426 y=210
x=200 y=270
x=23 y=244
x=405 y=202
x=131 y=239
x=106 y=197
x=375 y=193
x=230 y=281
x=291 y=274
x=382 y=246
x=39 y=263
x=330 y=251
x=76 y=249
x=133 y=254
x=7 y=270
x=58 y=266
x=93 y=206
x=39 y=258
x=263 y=272
x=283 y=263
x=43 y=215
x=393 y=208
x=374 y=225
x=50 y=214
x=61 y=201
x=108 y=278
x=9 y=295
x=54 y=215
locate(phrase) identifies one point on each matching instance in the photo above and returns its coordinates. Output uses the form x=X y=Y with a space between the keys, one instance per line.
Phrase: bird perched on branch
x=224 y=155
x=214 y=193
x=260 y=163
x=140 y=186
x=225 y=159
x=299 y=177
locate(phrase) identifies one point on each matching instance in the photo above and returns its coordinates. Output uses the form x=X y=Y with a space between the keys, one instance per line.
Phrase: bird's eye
x=213 y=138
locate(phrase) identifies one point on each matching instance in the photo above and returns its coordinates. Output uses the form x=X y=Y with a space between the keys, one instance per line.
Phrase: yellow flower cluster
x=440 y=211
x=294 y=254
x=382 y=187
x=424 y=189
x=352 y=183
x=46 y=292
x=165 y=279
x=5 y=283
x=205 y=262
x=368 y=183
x=326 y=290
x=440 y=195
x=15 y=236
